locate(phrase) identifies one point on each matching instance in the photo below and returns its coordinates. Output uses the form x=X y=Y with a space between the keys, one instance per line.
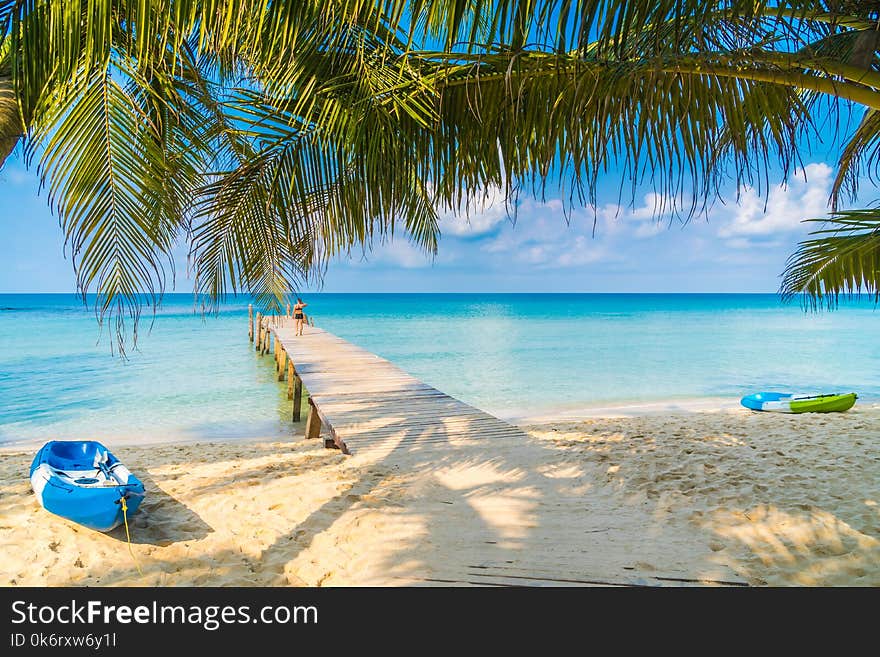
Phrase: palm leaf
x=11 y=127
x=860 y=157
x=840 y=259
x=103 y=168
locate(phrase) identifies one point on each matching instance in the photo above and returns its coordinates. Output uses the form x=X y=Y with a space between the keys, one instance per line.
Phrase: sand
x=720 y=498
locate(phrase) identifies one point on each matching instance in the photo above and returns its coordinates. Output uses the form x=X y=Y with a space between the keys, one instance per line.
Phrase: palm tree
x=275 y=135
x=271 y=136
x=124 y=108
x=687 y=93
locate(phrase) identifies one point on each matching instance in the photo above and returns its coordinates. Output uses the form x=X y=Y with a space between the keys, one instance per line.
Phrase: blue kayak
x=82 y=481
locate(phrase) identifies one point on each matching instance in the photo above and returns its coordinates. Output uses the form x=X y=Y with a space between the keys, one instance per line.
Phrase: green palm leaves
x=104 y=169
x=840 y=259
x=11 y=127
x=273 y=136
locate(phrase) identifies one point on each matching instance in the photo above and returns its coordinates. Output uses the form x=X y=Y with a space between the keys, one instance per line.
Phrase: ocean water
x=198 y=378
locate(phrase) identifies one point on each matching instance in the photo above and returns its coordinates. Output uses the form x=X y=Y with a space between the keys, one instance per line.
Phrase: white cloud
x=547 y=238
x=640 y=222
x=805 y=196
x=477 y=218
x=543 y=239
x=395 y=252
x=653 y=206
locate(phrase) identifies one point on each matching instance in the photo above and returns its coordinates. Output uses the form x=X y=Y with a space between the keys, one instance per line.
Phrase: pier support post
x=282 y=362
x=288 y=310
x=313 y=423
x=297 y=397
x=290 y=375
x=258 y=335
x=251 y=322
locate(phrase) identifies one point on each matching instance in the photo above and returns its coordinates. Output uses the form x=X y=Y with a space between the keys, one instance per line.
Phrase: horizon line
x=471 y=292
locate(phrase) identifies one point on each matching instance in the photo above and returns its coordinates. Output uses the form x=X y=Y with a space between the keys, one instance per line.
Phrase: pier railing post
x=313 y=423
x=290 y=375
x=282 y=361
x=258 y=336
x=297 y=396
x=251 y=322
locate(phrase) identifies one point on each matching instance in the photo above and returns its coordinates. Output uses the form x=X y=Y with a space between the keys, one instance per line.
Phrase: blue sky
x=736 y=247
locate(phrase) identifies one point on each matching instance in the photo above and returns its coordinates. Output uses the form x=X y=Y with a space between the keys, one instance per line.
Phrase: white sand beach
x=647 y=499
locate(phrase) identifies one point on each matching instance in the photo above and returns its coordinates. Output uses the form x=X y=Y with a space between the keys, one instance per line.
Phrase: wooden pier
x=492 y=504
x=358 y=399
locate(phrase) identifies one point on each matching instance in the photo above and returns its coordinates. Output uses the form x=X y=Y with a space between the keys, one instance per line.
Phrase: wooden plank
x=354 y=439
x=409 y=398
x=353 y=433
x=402 y=416
x=437 y=407
x=412 y=425
x=391 y=395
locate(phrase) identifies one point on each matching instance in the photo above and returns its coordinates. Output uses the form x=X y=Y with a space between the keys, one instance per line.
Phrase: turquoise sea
x=196 y=377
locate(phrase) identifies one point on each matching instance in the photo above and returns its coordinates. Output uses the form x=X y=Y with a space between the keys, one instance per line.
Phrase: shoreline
x=677 y=406
x=164 y=440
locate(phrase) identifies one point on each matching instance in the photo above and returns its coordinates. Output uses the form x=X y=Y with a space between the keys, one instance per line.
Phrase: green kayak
x=785 y=402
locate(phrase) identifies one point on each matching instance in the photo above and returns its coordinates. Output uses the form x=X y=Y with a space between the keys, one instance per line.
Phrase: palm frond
x=535 y=117
x=860 y=157
x=277 y=134
x=103 y=166
x=241 y=238
x=841 y=259
x=11 y=127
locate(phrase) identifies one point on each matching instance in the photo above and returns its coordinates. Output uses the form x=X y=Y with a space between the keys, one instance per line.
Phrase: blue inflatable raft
x=82 y=481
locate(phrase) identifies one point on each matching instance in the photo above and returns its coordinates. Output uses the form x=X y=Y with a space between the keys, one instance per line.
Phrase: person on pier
x=298 y=316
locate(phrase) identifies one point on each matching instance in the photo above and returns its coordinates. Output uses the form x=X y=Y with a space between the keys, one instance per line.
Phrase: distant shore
x=720 y=497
